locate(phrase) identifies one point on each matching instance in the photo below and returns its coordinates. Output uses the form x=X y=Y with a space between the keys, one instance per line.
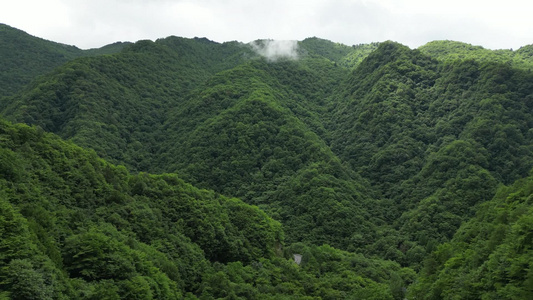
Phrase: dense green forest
x=185 y=168
x=23 y=57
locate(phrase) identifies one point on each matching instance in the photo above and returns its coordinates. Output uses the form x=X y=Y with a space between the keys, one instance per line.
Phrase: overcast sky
x=95 y=23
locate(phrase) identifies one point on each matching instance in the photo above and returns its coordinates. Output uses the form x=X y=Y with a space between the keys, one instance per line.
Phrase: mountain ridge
x=24 y=57
x=382 y=151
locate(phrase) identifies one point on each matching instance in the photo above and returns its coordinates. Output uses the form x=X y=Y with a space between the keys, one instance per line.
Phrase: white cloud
x=276 y=49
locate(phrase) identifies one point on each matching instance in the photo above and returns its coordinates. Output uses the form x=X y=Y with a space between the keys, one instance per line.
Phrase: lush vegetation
x=490 y=257
x=434 y=139
x=453 y=51
x=23 y=57
x=75 y=226
x=340 y=54
x=205 y=167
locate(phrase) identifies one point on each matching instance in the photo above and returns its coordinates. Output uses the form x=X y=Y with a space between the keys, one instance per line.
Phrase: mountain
x=490 y=256
x=251 y=135
x=106 y=99
x=24 y=57
x=109 y=103
x=451 y=51
x=343 y=55
x=75 y=226
x=429 y=137
x=371 y=161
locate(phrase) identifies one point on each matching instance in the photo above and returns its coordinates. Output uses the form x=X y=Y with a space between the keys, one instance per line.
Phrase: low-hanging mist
x=276 y=49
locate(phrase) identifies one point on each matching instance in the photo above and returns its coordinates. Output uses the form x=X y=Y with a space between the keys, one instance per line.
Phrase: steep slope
x=116 y=103
x=399 y=98
x=374 y=149
x=248 y=134
x=74 y=226
x=376 y=121
x=24 y=57
x=97 y=222
x=429 y=137
x=490 y=256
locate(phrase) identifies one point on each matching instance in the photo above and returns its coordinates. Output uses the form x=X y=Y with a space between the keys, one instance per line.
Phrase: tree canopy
x=185 y=168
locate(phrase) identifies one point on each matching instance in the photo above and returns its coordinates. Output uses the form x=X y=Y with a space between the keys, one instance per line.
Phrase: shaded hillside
x=242 y=132
x=400 y=106
x=24 y=57
x=243 y=137
x=429 y=137
x=75 y=226
x=228 y=120
x=115 y=104
x=376 y=111
x=490 y=256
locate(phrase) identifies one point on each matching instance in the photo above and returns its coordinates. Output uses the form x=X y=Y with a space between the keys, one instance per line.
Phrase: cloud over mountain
x=276 y=49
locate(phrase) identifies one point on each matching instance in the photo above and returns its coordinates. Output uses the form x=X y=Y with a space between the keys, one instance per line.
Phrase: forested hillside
x=23 y=57
x=434 y=139
x=490 y=257
x=75 y=226
x=205 y=166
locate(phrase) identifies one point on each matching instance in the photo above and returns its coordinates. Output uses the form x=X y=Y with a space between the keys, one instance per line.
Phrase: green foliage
x=243 y=137
x=490 y=256
x=26 y=282
x=379 y=150
x=101 y=217
x=25 y=273
x=341 y=55
x=109 y=103
x=113 y=235
x=430 y=137
x=24 y=57
x=452 y=51
x=325 y=273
